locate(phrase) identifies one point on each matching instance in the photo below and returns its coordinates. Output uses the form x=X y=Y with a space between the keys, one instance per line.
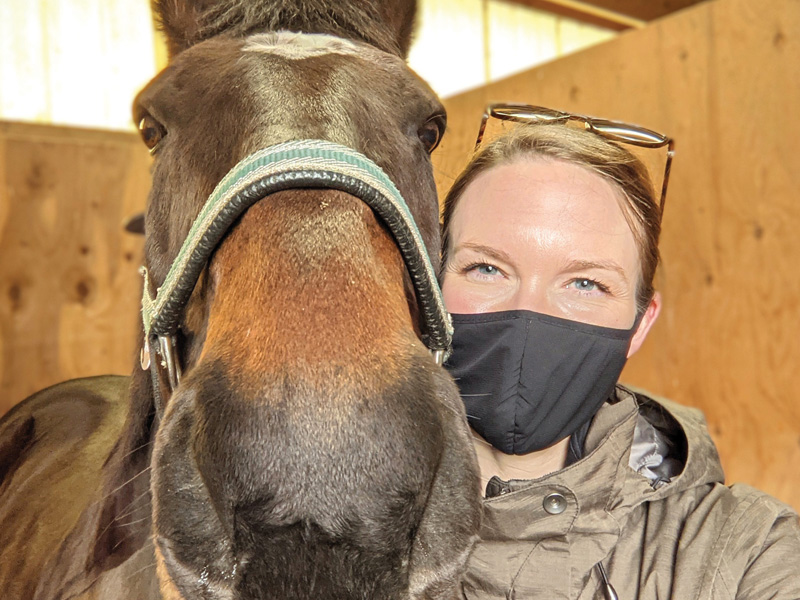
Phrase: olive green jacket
x=689 y=538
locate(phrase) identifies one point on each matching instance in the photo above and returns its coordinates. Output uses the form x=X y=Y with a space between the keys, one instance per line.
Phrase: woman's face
x=547 y=236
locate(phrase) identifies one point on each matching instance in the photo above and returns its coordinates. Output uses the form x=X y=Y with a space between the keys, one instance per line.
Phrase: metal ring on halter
x=167 y=344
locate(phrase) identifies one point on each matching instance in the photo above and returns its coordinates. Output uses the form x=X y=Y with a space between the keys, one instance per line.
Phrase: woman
x=592 y=489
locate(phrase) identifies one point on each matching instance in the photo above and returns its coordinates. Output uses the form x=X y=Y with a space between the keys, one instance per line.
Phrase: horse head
x=312 y=447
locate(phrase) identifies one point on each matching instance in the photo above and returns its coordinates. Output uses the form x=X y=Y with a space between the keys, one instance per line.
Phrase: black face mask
x=529 y=380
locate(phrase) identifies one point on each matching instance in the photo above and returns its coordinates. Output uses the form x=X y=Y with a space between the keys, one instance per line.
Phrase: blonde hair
x=588 y=150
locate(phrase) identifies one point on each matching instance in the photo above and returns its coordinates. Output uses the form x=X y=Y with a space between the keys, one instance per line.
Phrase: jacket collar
x=592 y=486
x=602 y=488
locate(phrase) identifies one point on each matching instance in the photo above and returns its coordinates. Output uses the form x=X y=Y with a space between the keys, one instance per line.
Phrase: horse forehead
x=298 y=46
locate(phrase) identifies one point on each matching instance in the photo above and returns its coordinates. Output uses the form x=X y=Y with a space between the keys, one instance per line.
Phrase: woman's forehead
x=535 y=203
x=538 y=186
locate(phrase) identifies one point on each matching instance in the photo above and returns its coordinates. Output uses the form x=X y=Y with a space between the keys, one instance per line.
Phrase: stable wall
x=69 y=287
x=723 y=78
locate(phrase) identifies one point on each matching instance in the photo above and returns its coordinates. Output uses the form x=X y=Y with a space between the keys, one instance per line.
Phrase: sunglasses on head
x=616 y=131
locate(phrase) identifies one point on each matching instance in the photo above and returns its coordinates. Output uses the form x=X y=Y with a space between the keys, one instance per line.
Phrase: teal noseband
x=291 y=165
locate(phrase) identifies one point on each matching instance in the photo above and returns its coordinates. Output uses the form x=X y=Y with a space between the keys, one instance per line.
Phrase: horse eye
x=152 y=132
x=431 y=133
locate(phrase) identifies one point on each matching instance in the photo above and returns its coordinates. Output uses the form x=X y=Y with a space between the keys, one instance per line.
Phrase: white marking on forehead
x=297 y=46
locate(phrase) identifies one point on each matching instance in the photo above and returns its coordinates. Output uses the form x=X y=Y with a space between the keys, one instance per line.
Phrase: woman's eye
x=487 y=270
x=152 y=132
x=483 y=270
x=588 y=285
x=430 y=134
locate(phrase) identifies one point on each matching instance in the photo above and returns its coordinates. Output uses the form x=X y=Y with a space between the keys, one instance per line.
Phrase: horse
x=287 y=433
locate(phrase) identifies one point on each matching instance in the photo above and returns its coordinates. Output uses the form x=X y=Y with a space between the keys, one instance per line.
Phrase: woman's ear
x=650 y=315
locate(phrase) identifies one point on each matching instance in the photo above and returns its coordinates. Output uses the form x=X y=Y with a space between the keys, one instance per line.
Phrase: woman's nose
x=529 y=297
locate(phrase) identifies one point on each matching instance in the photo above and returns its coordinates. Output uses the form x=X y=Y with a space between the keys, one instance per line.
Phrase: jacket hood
x=684 y=446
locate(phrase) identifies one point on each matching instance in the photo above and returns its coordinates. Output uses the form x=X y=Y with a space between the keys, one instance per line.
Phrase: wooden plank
x=723 y=78
x=614 y=14
x=646 y=10
x=585 y=12
x=69 y=288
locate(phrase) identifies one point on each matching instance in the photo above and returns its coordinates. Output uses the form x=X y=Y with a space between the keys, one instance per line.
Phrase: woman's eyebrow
x=487 y=250
x=606 y=265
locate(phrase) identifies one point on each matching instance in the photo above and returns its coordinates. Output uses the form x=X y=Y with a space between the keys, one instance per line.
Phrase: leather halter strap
x=290 y=165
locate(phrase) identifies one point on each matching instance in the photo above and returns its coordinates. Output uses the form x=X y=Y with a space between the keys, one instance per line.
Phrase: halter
x=290 y=165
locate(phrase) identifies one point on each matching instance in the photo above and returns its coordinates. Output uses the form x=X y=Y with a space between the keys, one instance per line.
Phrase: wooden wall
x=723 y=78
x=69 y=287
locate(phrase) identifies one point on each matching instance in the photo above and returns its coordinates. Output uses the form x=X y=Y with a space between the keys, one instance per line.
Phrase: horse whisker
x=124 y=514
x=147 y=443
x=130 y=508
x=134 y=522
x=119 y=487
x=137 y=571
x=125 y=537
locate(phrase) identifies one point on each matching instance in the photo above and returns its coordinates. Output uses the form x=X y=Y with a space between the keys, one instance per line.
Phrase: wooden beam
x=612 y=14
x=645 y=10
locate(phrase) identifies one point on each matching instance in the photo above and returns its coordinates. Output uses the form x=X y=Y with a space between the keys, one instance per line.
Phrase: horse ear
x=401 y=17
x=180 y=21
x=134 y=224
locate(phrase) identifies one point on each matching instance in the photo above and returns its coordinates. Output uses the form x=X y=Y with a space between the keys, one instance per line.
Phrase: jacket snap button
x=555 y=504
